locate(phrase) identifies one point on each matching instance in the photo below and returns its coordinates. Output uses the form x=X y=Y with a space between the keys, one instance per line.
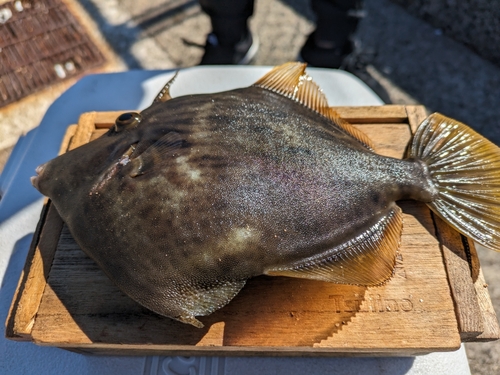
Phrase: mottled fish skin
x=257 y=181
x=181 y=204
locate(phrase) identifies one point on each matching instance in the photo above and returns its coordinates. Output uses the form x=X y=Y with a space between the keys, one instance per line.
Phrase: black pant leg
x=229 y=18
x=336 y=20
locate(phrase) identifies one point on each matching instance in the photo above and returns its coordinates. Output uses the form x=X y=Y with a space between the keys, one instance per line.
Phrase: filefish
x=183 y=202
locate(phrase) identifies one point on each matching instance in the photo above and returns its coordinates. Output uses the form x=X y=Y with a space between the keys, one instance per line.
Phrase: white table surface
x=21 y=204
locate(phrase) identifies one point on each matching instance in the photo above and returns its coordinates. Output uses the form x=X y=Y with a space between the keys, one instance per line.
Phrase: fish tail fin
x=465 y=169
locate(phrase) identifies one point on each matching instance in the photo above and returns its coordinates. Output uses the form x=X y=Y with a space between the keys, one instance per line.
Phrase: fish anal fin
x=366 y=260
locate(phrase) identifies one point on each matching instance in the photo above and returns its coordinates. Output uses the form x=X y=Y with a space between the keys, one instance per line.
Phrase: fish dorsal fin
x=164 y=94
x=351 y=130
x=367 y=259
x=283 y=79
x=291 y=80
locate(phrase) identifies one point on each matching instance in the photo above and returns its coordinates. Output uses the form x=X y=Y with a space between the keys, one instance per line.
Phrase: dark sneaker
x=240 y=53
x=324 y=57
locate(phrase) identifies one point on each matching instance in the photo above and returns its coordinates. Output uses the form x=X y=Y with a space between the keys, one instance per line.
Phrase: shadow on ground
x=414 y=62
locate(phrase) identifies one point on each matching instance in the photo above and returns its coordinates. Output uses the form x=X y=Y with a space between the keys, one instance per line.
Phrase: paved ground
x=407 y=61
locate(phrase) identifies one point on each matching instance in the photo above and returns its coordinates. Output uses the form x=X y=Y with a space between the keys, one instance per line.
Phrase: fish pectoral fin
x=291 y=80
x=204 y=300
x=168 y=144
x=367 y=259
x=157 y=154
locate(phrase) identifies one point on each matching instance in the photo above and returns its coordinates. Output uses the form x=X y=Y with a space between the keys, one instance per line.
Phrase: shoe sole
x=252 y=51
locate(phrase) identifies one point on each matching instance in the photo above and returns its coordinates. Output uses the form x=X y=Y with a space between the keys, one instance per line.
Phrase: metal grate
x=41 y=43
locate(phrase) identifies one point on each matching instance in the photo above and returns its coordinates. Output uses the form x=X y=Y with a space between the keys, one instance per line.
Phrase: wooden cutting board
x=436 y=299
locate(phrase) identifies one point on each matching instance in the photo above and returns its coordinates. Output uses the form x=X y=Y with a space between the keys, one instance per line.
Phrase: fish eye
x=127 y=120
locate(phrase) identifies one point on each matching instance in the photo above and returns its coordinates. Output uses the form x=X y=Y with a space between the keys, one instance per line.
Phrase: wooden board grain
x=414 y=311
x=420 y=310
x=39 y=259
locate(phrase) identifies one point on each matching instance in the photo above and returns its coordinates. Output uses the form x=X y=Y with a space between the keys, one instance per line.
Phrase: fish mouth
x=35 y=180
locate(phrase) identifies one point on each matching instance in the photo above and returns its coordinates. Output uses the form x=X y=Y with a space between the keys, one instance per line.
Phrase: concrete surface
x=404 y=59
x=475 y=23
